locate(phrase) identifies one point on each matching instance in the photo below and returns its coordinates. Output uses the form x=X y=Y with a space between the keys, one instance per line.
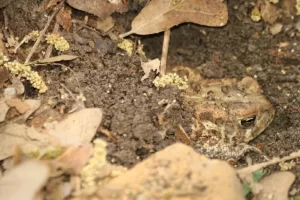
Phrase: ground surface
x=109 y=79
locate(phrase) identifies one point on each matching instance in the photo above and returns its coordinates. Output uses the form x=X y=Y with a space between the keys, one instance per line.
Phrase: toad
x=227 y=113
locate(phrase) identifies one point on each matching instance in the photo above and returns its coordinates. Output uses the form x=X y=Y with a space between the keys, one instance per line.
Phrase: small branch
x=42 y=33
x=165 y=49
x=244 y=172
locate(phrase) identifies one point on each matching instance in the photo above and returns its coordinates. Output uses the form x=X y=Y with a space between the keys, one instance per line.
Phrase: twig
x=42 y=33
x=50 y=47
x=108 y=134
x=244 y=172
x=165 y=49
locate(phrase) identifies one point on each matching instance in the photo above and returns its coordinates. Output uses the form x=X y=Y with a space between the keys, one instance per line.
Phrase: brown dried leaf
x=161 y=15
x=100 y=8
x=103 y=25
x=269 y=12
x=57 y=58
x=46 y=116
x=63 y=18
x=4 y=75
x=76 y=157
x=289 y=7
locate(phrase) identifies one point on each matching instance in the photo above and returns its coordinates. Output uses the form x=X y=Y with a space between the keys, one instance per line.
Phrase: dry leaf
x=150 y=65
x=4 y=75
x=58 y=58
x=34 y=105
x=48 y=115
x=269 y=12
x=24 y=181
x=276 y=186
x=78 y=128
x=102 y=25
x=21 y=106
x=276 y=28
x=100 y=8
x=12 y=135
x=3 y=110
x=76 y=157
x=63 y=18
x=161 y=15
x=289 y=7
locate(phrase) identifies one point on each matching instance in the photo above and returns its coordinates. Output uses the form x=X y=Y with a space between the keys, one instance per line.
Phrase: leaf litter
x=161 y=15
x=67 y=159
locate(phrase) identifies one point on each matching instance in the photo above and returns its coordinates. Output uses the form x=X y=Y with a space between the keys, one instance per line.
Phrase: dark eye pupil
x=248 y=122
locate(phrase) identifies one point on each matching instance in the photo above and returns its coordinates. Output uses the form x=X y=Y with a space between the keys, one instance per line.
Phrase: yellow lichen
x=171 y=79
x=92 y=173
x=285 y=166
x=59 y=42
x=126 y=45
x=255 y=14
x=25 y=71
x=298 y=7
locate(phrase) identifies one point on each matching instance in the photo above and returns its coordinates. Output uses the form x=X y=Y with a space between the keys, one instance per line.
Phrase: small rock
x=177 y=172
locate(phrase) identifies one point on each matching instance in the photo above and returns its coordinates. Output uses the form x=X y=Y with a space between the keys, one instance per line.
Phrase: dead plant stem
x=42 y=33
x=165 y=49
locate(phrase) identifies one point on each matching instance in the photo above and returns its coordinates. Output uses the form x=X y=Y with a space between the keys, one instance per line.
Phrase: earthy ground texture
x=110 y=79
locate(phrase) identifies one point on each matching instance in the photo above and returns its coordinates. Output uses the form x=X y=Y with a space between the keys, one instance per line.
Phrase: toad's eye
x=248 y=122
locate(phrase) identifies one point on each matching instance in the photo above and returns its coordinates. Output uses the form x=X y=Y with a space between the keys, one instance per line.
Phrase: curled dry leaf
x=63 y=18
x=102 y=25
x=24 y=181
x=4 y=75
x=150 y=65
x=21 y=106
x=100 y=8
x=76 y=157
x=34 y=105
x=161 y=15
x=276 y=186
x=269 y=12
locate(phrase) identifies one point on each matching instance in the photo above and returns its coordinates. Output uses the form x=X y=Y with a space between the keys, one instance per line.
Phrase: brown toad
x=227 y=113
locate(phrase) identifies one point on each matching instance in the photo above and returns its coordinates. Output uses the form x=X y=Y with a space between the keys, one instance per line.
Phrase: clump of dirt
x=131 y=107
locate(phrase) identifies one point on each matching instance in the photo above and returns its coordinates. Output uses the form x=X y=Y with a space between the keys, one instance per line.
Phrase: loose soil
x=110 y=79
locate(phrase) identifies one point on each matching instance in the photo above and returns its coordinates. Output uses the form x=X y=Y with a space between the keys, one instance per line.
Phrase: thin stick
x=50 y=47
x=42 y=33
x=165 y=49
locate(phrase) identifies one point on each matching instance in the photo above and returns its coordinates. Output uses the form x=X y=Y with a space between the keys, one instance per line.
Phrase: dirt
x=110 y=79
